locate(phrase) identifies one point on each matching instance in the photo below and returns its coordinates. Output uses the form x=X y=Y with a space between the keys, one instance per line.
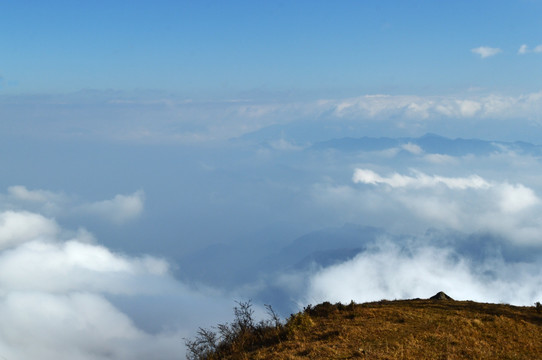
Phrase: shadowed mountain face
x=327 y=245
x=221 y=263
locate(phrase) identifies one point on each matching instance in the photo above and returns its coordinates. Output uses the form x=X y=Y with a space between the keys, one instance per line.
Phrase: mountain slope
x=402 y=329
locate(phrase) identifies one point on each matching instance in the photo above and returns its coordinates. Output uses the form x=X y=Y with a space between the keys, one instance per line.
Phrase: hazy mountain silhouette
x=237 y=263
x=429 y=143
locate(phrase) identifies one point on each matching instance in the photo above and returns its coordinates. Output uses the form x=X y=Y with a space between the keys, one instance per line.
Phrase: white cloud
x=469 y=108
x=419 y=180
x=524 y=49
x=474 y=237
x=20 y=227
x=42 y=196
x=284 y=145
x=75 y=266
x=371 y=106
x=389 y=271
x=486 y=51
x=440 y=159
x=52 y=295
x=514 y=198
x=412 y=148
x=413 y=203
x=120 y=209
x=47 y=202
x=387 y=107
x=79 y=326
x=58 y=291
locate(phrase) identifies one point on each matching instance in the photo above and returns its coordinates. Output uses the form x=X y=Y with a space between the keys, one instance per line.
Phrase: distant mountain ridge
x=428 y=143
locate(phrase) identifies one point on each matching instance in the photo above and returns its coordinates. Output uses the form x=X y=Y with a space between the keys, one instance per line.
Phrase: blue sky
x=226 y=49
x=162 y=160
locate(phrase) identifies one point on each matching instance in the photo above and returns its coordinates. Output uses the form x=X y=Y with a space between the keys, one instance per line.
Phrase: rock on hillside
x=440 y=296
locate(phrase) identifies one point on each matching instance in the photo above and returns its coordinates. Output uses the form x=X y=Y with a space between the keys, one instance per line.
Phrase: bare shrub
x=203 y=346
x=243 y=333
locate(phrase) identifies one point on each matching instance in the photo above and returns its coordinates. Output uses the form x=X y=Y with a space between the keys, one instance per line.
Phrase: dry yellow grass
x=403 y=329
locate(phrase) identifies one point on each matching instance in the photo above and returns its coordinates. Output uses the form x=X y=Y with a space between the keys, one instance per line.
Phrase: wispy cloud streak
x=486 y=51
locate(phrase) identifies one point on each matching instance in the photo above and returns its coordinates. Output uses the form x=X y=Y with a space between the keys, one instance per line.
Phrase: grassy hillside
x=402 y=329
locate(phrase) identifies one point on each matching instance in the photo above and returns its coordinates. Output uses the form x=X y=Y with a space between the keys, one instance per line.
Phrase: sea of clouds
x=121 y=236
x=65 y=295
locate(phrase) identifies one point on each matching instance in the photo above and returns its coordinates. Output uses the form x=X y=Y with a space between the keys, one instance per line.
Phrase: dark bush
x=241 y=335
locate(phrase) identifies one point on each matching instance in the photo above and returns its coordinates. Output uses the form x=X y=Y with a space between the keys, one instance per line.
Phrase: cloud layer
x=473 y=237
x=63 y=295
x=391 y=270
x=418 y=107
x=53 y=295
x=190 y=122
x=463 y=203
x=118 y=210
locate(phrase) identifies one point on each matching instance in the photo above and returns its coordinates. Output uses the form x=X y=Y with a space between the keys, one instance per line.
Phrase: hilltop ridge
x=435 y=328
